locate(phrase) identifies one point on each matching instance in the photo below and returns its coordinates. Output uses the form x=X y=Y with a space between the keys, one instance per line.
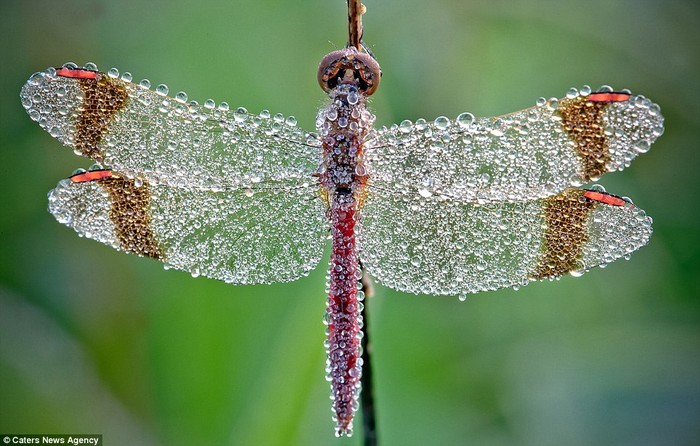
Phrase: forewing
x=533 y=153
x=262 y=236
x=432 y=246
x=142 y=132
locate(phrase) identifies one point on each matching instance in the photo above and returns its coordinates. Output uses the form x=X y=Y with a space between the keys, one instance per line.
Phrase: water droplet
x=162 y=89
x=90 y=66
x=654 y=110
x=36 y=78
x=424 y=193
x=442 y=122
x=181 y=96
x=642 y=146
x=127 y=77
x=145 y=83
x=498 y=128
x=579 y=270
x=405 y=126
x=465 y=120
x=240 y=114
x=26 y=102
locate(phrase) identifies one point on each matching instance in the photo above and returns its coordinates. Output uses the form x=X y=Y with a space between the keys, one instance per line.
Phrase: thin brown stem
x=355 y=11
x=369 y=415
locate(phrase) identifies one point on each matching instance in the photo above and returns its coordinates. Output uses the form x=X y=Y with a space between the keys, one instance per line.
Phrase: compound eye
x=349 y=66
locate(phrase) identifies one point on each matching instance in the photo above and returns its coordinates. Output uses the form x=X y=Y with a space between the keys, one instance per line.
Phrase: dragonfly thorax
x=343 y=126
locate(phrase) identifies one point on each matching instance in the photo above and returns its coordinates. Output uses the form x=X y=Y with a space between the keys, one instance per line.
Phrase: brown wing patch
x=103 y=99
x=131 y=216
x=583 y=120
x=566 y=215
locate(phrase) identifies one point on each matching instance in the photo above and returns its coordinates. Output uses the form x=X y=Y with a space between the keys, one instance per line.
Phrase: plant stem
x=369 y=416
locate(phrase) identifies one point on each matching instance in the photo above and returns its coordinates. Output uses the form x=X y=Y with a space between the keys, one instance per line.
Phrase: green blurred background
x=95 y=341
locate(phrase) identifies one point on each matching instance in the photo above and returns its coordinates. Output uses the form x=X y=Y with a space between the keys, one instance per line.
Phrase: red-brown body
x=343 y=126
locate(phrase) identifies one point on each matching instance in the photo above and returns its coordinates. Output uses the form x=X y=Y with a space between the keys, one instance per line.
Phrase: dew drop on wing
x=641 y=146
x=442 y=123
x=465 y=120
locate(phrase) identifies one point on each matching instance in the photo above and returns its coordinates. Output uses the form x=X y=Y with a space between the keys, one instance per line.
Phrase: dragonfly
x=450 y=206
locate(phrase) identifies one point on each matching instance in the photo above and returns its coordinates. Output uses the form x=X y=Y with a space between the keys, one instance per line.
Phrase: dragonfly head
x=349 y=66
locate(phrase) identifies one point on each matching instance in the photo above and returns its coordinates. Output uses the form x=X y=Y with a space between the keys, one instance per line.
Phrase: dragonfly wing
x=535 y=152
x=138 y=131
x=262 y=236
x=432 y=246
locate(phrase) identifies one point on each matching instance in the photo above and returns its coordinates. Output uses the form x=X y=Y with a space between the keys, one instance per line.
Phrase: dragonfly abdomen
x=344 y=363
